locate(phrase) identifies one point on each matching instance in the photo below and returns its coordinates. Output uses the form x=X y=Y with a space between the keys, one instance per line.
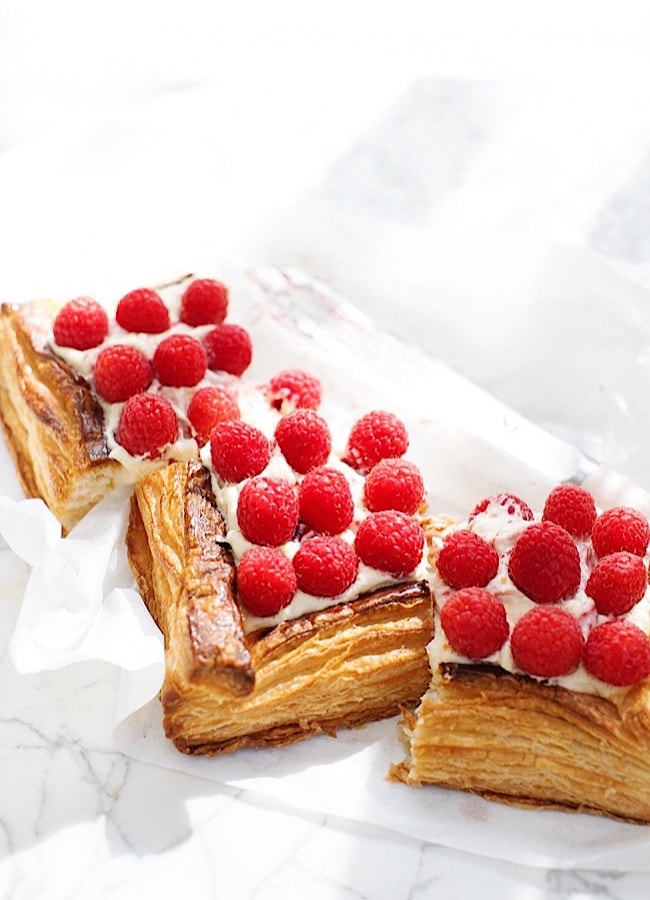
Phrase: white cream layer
x=502 y=530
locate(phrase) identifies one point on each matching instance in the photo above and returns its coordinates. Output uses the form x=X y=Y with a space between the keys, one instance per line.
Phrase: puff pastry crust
x=52 y=422
x=512 y=739
x=225 y=689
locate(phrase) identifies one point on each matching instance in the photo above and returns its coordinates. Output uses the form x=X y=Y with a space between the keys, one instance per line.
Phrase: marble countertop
x=478 y=184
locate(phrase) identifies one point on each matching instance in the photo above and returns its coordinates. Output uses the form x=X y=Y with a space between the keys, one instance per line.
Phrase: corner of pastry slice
x=511 y=739
x=513 y=728
x=61 y=432
x=226 y=688
x=53 y=424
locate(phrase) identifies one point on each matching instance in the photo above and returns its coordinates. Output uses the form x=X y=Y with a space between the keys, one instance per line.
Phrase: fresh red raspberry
x=120 y=372
x=229 y=349
x=325 y=566
x=267 y=511
x=617 y=653
x=294 y=389
x=377 y=435
x=475 y=622
x=617 y=583
x=572 y=507
x=204 y=302
x=209 y=407
x=394 y=484
x=325 y=500
x=467 y=560
x=513 y=505
x=147 y=424
x=390 y=541
x=238 y=450
x=304 y=438
x=266 y=581
x=180 y=361
x=620 y=528
x=142 y=310
x=546 y=642
x=545 y=563
x=80 y=324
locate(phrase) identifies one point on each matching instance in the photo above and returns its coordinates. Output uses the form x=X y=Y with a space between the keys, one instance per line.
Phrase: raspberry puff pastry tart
x=540 y=693
x=73 y=381
x=289 y=584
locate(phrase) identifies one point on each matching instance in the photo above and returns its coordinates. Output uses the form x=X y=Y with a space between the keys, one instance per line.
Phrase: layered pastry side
x=287 y=574
x=289 y=579
x=540 y=690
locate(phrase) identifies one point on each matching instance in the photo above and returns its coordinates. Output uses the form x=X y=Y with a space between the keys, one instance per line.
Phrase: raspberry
x=620 y=528
x=617 y=653
x=377 y=435
x=238 y=450
x=142 y=310
x=325 y=500
x=204 y=302
x=209 y=407
x=545 y=564
x=293 y=388
x=229 y=349
x=475 y=622
x=546 y=642
x=513 y=505
x=267 y=511
x=180 y=361
x=304 y=438
x=572 y=507
x=80 y=324
x=147 y=424
x=467 y=560
x=325 y=566
x=394 y=484
x=617 y=583
x=266 y=581
x=120 y=372
x=390 y=541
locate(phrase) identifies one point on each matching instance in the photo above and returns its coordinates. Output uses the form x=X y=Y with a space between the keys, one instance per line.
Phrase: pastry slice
x=540 y=696
x=53 y=423
x=228 y=684
x=69 y=373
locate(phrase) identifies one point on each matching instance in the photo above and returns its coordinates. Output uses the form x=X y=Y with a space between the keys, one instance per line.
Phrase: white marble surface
x=437 y=169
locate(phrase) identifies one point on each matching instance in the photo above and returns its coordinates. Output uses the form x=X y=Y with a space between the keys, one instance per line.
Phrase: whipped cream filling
x=502 y=530
x=368 y=579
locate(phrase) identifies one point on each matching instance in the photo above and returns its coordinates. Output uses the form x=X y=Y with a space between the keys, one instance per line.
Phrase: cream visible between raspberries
x=292 y=492
x=343 y=521
x=561 y=597
x=159 y=343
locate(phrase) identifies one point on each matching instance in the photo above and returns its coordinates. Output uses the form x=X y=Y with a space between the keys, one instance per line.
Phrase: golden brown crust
x=512 y=739
x=52 y=421
x=186 y=575
x=350 y=664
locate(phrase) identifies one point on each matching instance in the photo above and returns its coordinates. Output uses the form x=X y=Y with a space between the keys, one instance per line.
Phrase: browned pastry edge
x=53 y=424
x=510 y=738
x=350 y=664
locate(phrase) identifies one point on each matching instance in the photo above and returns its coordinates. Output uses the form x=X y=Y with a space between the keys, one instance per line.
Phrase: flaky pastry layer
x=512 y=739
x=224 y=689
x=53 y=424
